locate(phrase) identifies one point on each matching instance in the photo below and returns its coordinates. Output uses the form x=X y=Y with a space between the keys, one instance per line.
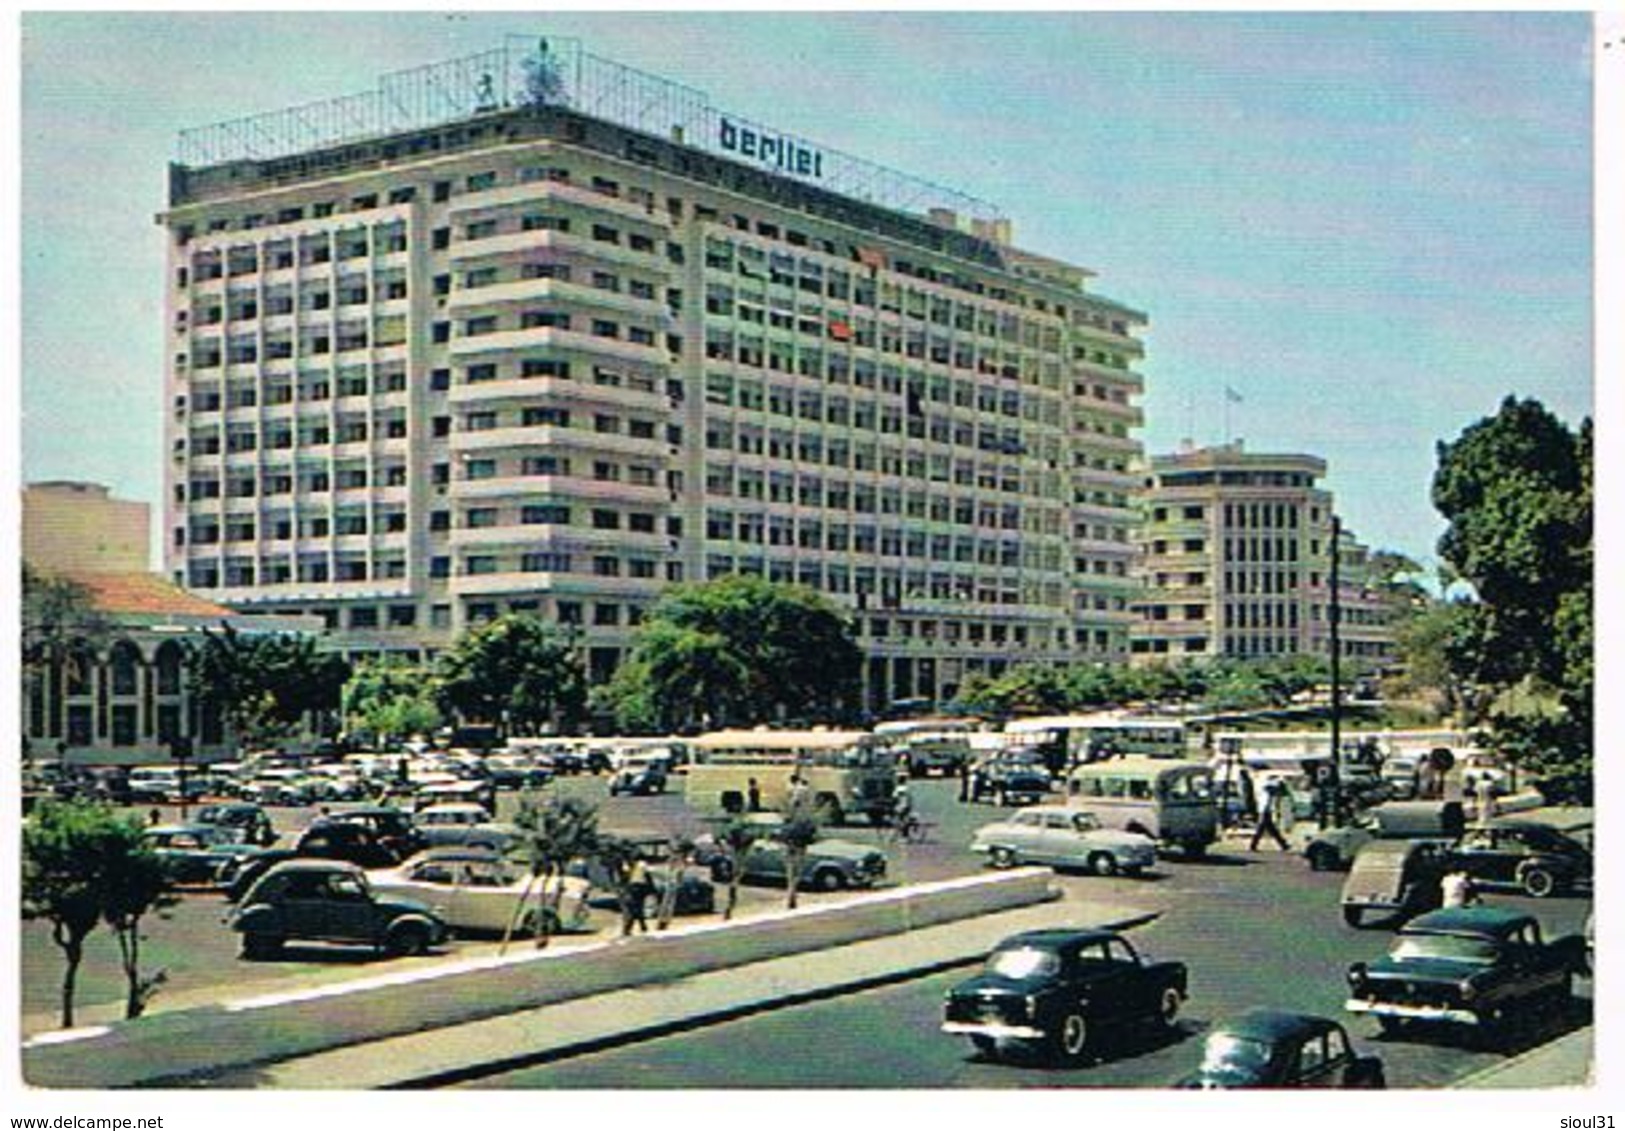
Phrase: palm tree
x=735 y=837
x=552 y=832
x=60 y=622
x=797 y=834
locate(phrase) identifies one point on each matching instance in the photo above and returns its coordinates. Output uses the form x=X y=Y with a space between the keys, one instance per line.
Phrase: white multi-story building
x=553 y=357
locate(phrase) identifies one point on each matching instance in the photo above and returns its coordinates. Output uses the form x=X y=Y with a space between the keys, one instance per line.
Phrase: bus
x=846 y=773
x=1169 y=801
x=922 y=746
x=1071 y=740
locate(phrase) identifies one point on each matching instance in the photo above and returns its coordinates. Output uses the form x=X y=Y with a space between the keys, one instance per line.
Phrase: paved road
x=1255 y=931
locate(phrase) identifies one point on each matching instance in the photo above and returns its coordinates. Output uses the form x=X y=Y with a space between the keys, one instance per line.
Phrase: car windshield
x=1023 y=962
x=1226 y=1052
x=1455 y=948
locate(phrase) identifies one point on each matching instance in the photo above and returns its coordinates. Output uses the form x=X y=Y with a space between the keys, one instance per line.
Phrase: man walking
x=1274 y=795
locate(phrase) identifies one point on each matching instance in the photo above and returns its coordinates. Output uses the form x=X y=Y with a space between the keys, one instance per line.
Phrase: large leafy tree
x=390 y=700
x=743 y=649
x=59 y=621
x=84 y=864
x=265 y=685
x=518 y=671
x=1516 y=490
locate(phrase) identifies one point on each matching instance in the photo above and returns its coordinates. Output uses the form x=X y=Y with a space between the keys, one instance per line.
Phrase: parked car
x=1395 y=879
x=1064 y=837
x=395 y=828
x=457 y=791
x=1010 y=780
x=830 y=865
x=331 y=901
x=641 y=774
x=328 y=839
x=1333 y=850
x=253 y=821
x=695 y=895
x=1064 y=991
x=198 y=854
x=1271 y=1048
x=163 y=784
x=237 y=877
x=1479 y=966
x=1533 y=857
x=462 y=823
x=477 y=890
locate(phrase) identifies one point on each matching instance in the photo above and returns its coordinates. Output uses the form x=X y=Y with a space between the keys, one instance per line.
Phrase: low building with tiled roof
x=122 y=697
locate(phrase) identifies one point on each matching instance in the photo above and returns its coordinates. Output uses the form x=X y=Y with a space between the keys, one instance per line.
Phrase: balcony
x=558 y=487
x=558 y=390
x=517 y=244
x=522 y=290
x=579 y=583
x=542 y=436
x=546 y=337
x=561 y=192
x=569 y=539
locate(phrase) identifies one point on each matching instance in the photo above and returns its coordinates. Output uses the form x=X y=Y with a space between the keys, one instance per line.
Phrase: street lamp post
x=1334 y=791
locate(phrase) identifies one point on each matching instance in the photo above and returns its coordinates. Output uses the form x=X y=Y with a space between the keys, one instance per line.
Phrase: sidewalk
x=1564 y=1063
x=447 y=1056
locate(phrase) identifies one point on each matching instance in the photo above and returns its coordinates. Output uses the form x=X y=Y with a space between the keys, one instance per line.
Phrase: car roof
x=1057 y=936
x=1470 y=920
x=312 y=864
x=195 y=829
x=1273 y=1025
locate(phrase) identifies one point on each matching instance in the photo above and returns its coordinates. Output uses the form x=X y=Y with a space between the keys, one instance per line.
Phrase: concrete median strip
x=198 y=1045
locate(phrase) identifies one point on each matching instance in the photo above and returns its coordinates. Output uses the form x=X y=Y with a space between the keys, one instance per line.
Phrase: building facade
x=117 y=692
x=1236 y=554
x=534 y=359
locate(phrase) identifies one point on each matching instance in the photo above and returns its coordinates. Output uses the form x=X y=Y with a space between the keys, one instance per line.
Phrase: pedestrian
x=902 y=810
x=753 y=795
x=640 y=889
x=154 y=817
x=1274 y=794
x=964 y=779
x=798 y=791
x=1458 y=890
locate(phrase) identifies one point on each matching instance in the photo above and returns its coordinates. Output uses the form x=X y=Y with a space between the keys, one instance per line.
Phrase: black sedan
x=198 y=854
x=1063 y=991
x=1272 y=1048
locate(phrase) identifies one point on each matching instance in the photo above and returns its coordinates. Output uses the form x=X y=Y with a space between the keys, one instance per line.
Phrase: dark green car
x=331 y=901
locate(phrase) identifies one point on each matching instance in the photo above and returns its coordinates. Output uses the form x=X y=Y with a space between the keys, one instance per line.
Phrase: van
x=1171 y=802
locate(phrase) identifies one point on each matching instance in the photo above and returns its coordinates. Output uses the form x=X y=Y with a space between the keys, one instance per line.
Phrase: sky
x=1371 y=227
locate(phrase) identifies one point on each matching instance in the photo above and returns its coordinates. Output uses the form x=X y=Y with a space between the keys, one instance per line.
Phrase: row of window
x=281 y=435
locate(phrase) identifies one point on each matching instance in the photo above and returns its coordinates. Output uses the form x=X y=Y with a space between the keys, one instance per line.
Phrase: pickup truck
x=1483 y=967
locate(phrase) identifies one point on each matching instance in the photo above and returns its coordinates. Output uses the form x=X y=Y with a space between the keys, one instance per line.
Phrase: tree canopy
x=391 y=700
x=739 y=650
x=518 y=671
x=265 y=684
x=1516 y=489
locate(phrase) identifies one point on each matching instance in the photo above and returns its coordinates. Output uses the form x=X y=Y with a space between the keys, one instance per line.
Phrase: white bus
x=843 y=773
x=1169 y=801
x=1072 y=740
x=922 y=746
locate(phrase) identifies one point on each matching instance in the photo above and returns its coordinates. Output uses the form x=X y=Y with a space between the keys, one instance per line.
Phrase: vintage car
x=1478 y=966
x=1394 y=879
x=463 y=823
x=1063 y=991
x=198 y=854
x=1333 y=850
x=830 y=865
x=254 y=822
x=640 y=774
x=479 y=891
x=1271 y=1048
x=394 y=827
x=353 y=843
x=1010 y=779
x=1533 y=857
x=1064 y=837
x=695 y=894
x=330 y=901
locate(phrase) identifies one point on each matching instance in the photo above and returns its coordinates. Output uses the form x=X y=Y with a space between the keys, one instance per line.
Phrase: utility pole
x=1334 y=612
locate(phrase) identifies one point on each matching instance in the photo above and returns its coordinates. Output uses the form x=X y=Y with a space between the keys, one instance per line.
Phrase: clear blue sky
x=1372 y=227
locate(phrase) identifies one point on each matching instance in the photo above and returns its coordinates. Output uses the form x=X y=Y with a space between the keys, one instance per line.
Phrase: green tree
x=389 y=700
x=84 y=864
x=552 y=832
x=59 y=621
x=265 y=685
x=742 y=649
x=517 y=671
x=1516 y=489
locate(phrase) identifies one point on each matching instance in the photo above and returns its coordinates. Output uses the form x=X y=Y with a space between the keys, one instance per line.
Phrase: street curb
x=185 y=1046
x=1557 y=1050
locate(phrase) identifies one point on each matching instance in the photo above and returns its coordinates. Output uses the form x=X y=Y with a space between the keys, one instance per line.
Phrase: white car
x=475 y=890
x=1064 y=836
x=462 y=823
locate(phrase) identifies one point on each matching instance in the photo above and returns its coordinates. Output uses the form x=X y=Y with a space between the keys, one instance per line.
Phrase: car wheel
x=1102 y=864
x=1352 y=916
x=406 y=941
x=258 y=948
x=1072 y=1038
x=987 y=1046
x=1537 y=882
x=829 y=879
x=1390 y=1026
x=1001 y=797
x=1322 y=858
x=1168 y=1007
x=1002 y=857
